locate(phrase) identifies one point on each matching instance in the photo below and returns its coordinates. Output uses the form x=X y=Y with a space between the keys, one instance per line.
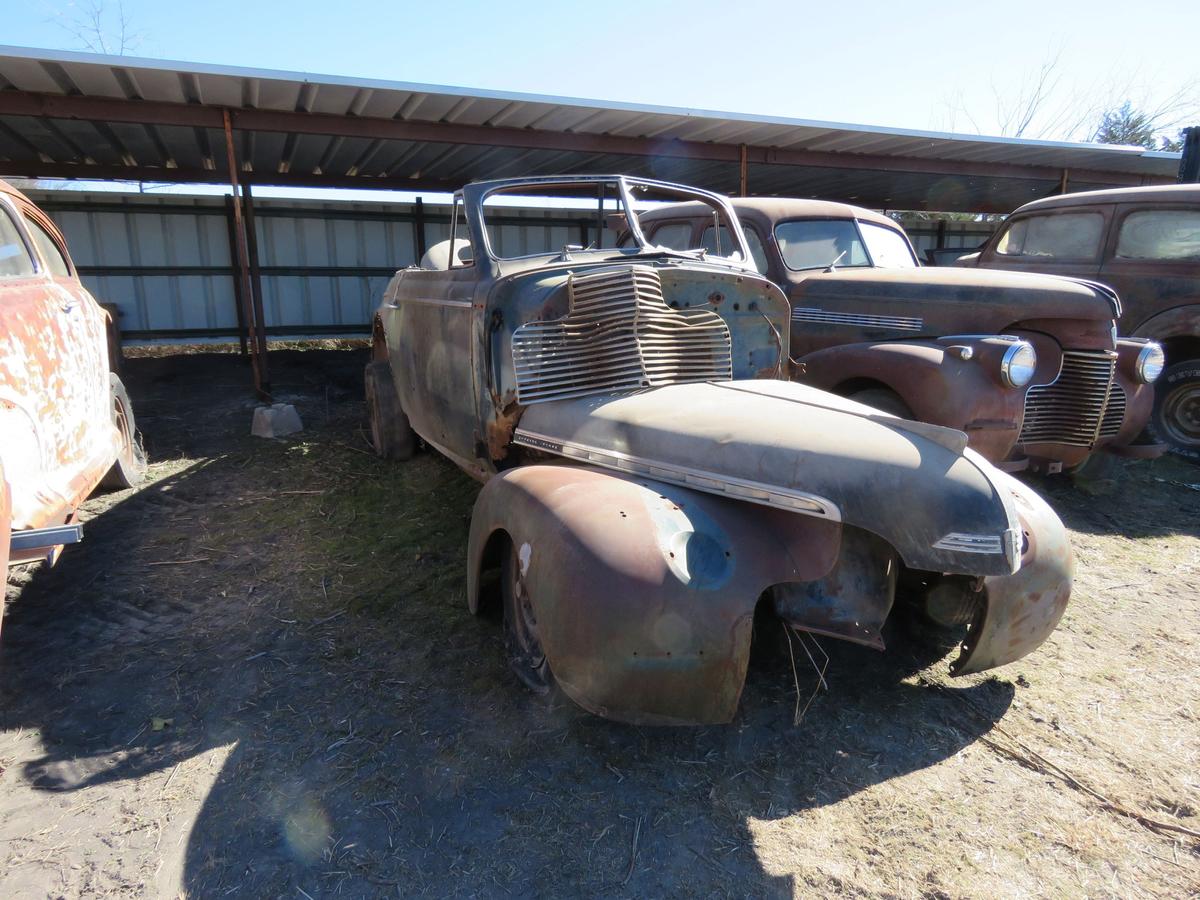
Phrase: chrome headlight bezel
x=1019 y=364
x=1150 y=363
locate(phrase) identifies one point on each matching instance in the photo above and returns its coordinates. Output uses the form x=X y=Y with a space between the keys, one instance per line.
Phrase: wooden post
x=260 y=318
x=744 y=170
x=239 y=300
x=257 y=358
x=1062 y=185
x=419 y=230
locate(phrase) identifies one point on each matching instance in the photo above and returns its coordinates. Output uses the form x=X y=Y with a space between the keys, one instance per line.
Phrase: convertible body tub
x=651 y=478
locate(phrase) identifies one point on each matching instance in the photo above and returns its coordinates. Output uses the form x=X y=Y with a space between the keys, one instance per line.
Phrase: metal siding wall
x=164 y=259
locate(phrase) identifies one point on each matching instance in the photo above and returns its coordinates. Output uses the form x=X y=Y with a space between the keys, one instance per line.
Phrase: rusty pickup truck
x=1145 y=243
x=66 y=424
x=1029 y=367
x=651 y=479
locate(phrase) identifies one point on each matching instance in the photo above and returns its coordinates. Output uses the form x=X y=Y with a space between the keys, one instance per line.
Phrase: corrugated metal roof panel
x=890 y=153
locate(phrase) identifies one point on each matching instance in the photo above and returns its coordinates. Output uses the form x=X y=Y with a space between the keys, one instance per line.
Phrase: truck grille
x=1080 y=406
x=618 y=335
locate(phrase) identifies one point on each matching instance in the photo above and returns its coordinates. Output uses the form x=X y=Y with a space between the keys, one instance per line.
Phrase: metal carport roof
x=80 y=115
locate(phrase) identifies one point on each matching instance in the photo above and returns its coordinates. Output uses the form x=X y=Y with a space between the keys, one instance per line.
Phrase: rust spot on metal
x=500 y=429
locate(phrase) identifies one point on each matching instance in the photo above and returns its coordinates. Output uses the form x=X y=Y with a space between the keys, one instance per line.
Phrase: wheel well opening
x=488 y=600
x=1179 y=349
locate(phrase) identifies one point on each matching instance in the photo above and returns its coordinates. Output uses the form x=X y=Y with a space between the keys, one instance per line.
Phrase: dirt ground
x=257 y=677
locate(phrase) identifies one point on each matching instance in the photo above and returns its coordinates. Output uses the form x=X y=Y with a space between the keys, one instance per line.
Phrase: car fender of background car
x=1029 y=367
x=66 y=422
x=1144 y=242
x=651 y=478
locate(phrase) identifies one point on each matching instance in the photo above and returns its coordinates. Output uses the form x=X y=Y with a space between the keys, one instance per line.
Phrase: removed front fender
x=644 y=592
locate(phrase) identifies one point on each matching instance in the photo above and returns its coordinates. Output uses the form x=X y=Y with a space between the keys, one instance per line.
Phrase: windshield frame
x=857 y=223
x=476 y=194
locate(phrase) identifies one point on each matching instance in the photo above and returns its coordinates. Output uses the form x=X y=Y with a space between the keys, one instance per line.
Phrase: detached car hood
x=790 y=446
x=938 y=301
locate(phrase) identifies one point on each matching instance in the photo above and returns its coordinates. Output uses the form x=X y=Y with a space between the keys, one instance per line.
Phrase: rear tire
x=130 y=466
x=884 y=400
x=391 y=434
x=521 y=642
x=1176 y=418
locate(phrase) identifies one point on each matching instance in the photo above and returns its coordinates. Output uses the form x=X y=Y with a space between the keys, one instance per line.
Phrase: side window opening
x=673 y=236
x=1161 y=234
x=15 y=261
x=55 y=257
x=758 y=253
x=1053 y=236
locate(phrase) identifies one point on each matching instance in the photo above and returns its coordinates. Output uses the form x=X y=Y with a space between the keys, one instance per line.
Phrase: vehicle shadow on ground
x=1127 y=497
x=377 y=743
x=377 y=753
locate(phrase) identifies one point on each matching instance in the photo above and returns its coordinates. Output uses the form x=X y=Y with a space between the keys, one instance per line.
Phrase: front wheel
x=1176 y=417
x=129 y=468
x=521 y=642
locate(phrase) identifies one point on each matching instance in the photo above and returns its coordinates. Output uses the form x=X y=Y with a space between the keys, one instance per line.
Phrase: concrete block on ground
x=275 y=421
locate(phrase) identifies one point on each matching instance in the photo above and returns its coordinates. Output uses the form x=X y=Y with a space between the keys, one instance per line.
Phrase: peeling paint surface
x=55 y=402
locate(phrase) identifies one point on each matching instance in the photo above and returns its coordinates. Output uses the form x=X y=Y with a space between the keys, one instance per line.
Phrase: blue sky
x=940 y=66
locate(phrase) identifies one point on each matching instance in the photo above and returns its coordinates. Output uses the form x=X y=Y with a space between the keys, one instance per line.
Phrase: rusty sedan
x=651 y=479
x=66 y=424
x=1029 y=367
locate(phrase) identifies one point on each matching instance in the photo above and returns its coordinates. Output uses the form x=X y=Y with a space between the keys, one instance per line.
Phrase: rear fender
x=644 y=593
x=1020 y=611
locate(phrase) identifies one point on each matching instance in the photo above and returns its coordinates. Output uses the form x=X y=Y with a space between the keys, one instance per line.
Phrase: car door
x=1151 y=259
x=35 y=389
x=87 y=435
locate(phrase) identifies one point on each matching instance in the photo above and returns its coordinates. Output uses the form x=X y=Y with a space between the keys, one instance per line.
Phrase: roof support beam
x=287 y=122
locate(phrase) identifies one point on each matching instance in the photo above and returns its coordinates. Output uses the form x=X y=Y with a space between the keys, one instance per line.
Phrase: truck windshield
x=819 y=243
x=842 y=243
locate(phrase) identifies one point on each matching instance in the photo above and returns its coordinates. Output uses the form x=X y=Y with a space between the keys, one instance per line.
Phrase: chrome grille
x=1080 y=406
x=618 y=335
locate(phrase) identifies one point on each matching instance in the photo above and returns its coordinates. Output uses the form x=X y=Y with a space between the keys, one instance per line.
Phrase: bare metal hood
x=787 y=445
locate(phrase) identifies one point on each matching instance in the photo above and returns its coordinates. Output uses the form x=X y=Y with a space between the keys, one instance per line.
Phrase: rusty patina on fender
x=1020 y=611
x=644 y=592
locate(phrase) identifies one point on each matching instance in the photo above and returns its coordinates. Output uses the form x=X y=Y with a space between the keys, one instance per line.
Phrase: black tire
x=521 y=644
x=883 y=400
x=391 y=435
x=130 y=466
x=1176 y=418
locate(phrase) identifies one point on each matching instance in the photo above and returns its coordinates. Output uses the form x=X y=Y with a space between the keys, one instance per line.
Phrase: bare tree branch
x=97 y=28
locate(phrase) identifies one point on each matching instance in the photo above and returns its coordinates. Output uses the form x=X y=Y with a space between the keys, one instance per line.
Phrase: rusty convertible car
x=1029 y=367
x=1145 y=243
x=66 y=424
x=650 y=478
